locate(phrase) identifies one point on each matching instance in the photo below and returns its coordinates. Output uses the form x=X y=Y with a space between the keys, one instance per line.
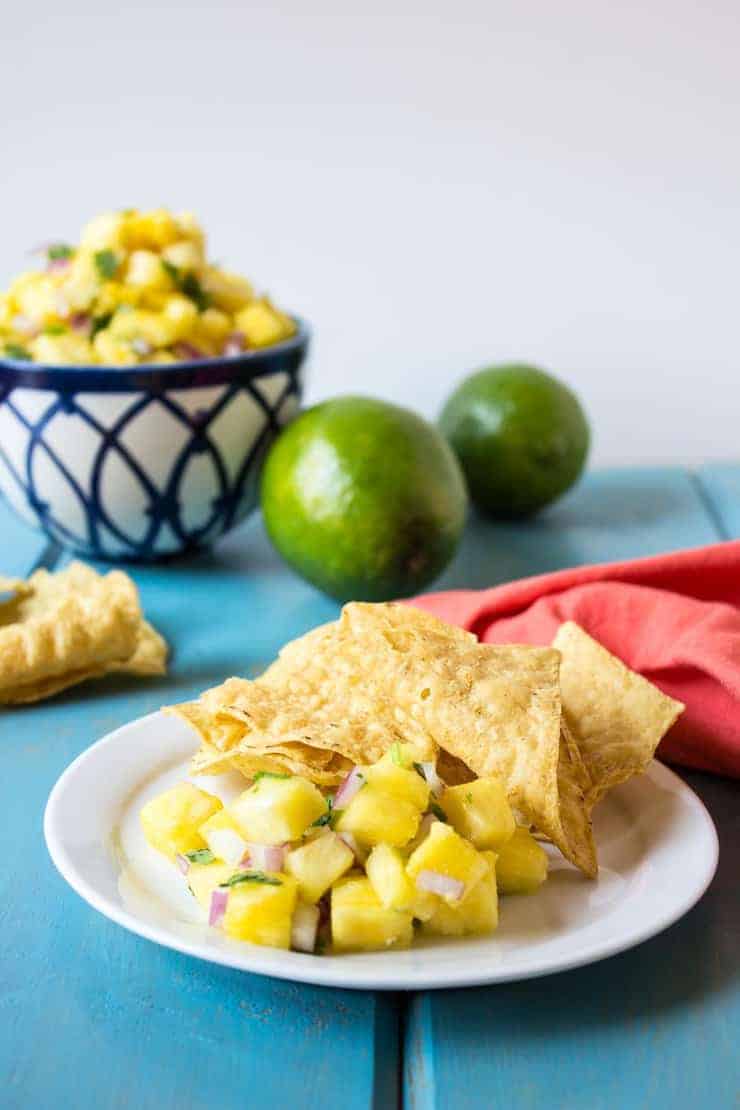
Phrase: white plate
x=657 y=848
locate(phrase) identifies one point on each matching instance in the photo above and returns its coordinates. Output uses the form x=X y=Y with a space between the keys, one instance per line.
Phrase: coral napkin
x=674 y=618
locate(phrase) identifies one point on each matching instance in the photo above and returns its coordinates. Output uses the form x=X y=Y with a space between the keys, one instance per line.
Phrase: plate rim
x=329 y=973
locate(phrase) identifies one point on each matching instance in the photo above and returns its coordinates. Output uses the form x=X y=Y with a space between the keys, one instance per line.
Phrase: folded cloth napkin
x=673 y=618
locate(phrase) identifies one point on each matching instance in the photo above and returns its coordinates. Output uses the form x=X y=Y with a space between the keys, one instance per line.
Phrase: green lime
x=521 y=436
x=364 y=499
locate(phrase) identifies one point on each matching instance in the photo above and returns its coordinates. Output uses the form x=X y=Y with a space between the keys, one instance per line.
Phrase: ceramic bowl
x=142 y=462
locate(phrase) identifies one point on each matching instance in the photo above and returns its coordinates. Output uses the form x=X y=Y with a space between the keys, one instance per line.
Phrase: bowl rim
x=211 y=370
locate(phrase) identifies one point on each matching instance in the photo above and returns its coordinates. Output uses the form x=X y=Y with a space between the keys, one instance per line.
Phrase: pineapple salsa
x=137 y=289
x=394 y=850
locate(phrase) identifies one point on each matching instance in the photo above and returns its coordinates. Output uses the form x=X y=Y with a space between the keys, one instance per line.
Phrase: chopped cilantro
x=200 y=855
x=469 y=798
x=106 y=263
x=325 y=818
x=438 y=812
x=14 y=350
x=252 y=877
x=172 y=271
x=192 y=288
x=420 y=771
x=188 y=284
x=55 y=329
x=396 y=753
x=99 y=322
x=269 y=775
x=57 y=251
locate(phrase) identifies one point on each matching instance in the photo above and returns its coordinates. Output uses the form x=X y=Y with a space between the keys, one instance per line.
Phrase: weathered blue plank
x=20 y=546
x=93 y=1017
x=719 y=484
x=653 y=1027
x=610 y=515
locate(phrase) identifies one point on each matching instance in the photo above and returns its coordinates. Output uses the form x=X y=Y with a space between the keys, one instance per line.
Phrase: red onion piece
x=346 y=792
x=351 y=842
x=219 y=898
x=423 y=831
x=265 y=857
x=234 y=344
x=443 y=885
x=305 y=927
x=80 y=322
x=182 y=862
x=187 y=350
x=434 y=782
x=56 y=265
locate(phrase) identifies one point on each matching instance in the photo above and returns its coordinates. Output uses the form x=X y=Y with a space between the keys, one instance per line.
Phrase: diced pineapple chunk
x=480 y=812
x=203 y=878
x=172 y=820
x=223 y=836
x=182 y=315
x=359 y=921
x=447 y=853
x=190 y=228
x=262 y=912
x=375 y=817
x=263 y=324
x=153 y=328
x=386 y=870
x=80 y=283
x=69 y=349
x=477 y=915
x=391 y=776
x=151 y=230
x=319 y=863
x=186 y=255
x=274 y=809
x=37 y=297
x=214 y=324
x=228 y=291
x=113 y=351
x=522 y=864
x=145 y=269
x=105 y=232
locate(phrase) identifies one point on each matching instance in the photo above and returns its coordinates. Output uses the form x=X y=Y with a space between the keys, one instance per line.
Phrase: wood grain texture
x=655 y=1027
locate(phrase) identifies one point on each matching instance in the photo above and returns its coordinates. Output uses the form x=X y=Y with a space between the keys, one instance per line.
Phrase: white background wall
x=433 y=185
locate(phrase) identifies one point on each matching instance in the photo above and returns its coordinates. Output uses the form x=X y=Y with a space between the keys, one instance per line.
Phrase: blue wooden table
x=93 y=1017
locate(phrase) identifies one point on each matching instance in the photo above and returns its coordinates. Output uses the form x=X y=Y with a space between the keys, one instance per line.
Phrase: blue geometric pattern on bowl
x=143 y=462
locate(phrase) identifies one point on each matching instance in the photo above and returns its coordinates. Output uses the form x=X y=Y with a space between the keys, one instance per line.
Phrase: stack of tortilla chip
x=57 y=630
x=558 y=725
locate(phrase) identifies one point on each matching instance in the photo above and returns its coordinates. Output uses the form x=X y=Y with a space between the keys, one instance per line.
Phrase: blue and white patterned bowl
x=142 y=462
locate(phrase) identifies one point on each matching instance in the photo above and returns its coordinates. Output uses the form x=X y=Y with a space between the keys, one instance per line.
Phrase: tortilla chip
x=244 y=718
x=64 y=625
x=617 y=717
x=574 y=784
x=58 y=630
x=291 y=759
x=149 y=657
